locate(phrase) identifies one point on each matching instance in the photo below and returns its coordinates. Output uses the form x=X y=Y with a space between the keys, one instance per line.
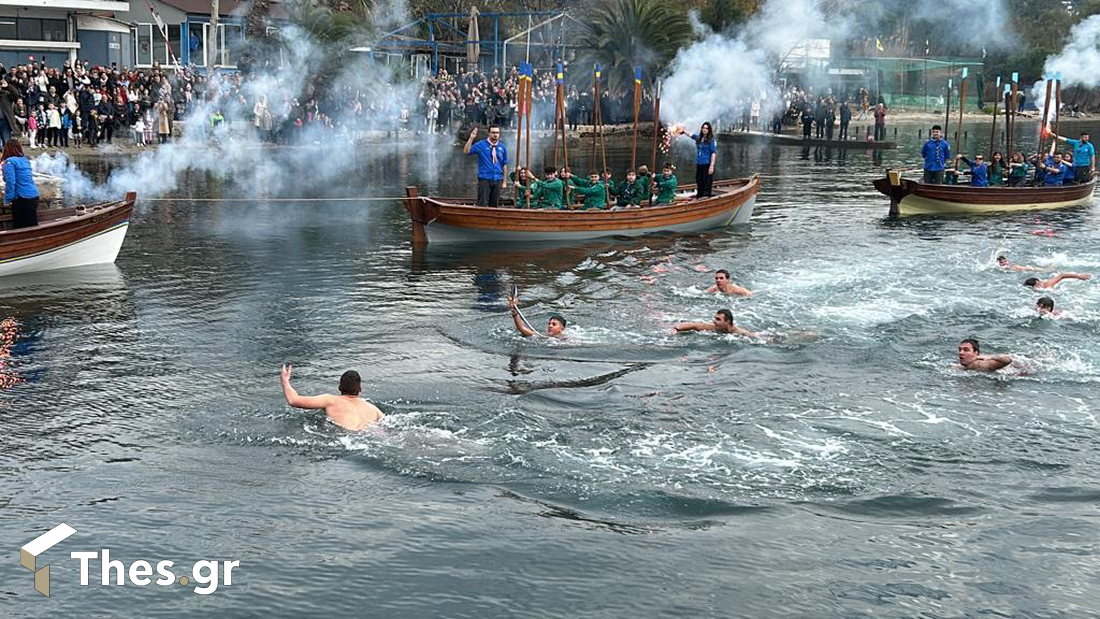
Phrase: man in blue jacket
x=936 y=153
x=492 y=166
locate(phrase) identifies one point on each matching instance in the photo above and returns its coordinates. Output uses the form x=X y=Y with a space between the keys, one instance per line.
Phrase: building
x=58 y=30
x=188 y=26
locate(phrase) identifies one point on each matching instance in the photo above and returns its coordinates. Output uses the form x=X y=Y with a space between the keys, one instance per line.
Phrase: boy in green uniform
x=595 y=195
x=628 y=193
x=645 y=182
x=549 y=193
x=666 y=185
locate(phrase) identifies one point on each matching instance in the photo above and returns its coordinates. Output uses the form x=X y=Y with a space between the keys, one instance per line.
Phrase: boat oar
x=993 y=129
x=637 y=108
x=656 y=130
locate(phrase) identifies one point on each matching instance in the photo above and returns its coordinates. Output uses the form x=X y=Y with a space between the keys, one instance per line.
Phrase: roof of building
x=203 y=6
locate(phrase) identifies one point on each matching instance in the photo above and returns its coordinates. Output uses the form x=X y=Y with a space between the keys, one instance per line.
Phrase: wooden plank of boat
x=441 y=220
x=909 y=197
x=67 y=238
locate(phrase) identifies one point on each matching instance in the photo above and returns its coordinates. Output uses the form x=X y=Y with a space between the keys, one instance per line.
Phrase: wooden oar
x=1010 y=135
x=1057 y=104
x=947 y=114
x=962 y=104
x=530 y=109
x=1046 y=115
x=603 y=146
x=520 y=101
x=993 y=129
x=656 y=131
x=637 y=108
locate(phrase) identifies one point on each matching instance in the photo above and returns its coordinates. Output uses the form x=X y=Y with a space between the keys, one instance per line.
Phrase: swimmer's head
x=968 y=350
x=1031 y=282
x=721 y=276
x=556 y=325
x=350 y=383
x=723 y=320
x=1045 y=305
x=1002 y=261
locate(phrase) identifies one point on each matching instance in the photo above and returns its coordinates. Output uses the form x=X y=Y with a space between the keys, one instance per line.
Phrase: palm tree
x=636 y=33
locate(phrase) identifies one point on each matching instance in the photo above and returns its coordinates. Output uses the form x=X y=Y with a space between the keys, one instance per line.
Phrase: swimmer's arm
x=522 y=328
x=992 y=363
x=739 y=291
x=745 y=332
x=712 y=289
x=684 y=327
x=301 y=401
x=1020 y=267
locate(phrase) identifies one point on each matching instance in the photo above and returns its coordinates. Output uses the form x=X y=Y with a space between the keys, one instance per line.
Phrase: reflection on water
x=841 y=469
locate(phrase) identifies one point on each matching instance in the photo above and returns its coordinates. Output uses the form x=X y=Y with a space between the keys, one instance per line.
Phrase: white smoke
x=320 y=156
x=1079 y=60
x=715 y=77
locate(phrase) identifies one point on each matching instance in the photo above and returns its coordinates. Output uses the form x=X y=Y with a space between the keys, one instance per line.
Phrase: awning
x=103 y=24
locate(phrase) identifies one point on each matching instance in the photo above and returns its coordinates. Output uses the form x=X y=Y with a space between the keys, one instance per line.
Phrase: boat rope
x=186 y=199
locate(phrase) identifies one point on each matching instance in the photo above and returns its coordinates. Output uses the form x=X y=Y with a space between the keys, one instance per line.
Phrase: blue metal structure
x=438 y=24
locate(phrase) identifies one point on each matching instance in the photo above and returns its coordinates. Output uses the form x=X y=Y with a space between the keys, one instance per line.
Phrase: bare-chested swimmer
x=555 y=327
x=1045 y=307
x=346 y=410
x=970 y=358
x=1042 y=284
x=1003 y=263
x=722 y=323
x=723 y=284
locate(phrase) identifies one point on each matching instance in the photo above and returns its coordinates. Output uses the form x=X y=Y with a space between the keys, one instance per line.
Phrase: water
x=842 y=470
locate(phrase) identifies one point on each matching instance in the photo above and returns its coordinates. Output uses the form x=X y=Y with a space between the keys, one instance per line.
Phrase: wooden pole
x=595 y=115
x=1012 y=114
x=530 y=108
x=557 y=114
x=603 y=145
x=1057 y=105
x=962 y=100
x=1046 y=115
x=947 y=114
x=993 y=129
x=656 y=133
x=521 y=99
x=637 y=107
x=212 y=35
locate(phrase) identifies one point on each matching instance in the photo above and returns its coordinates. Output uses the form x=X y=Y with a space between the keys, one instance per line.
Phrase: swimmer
x=1039 y=284
x=971 y=359
x=1003 y=263
x=555 y=327
x=1045 y=307
x=346 y=410
x=723 y=323
x=722 y=283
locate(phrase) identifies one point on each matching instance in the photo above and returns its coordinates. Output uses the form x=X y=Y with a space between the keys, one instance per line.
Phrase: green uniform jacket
x=549 y=194
x=996 y=174
x=523 y=201
x=666 y=189
x=595 y=196
x=645 y=190
x=627 y=193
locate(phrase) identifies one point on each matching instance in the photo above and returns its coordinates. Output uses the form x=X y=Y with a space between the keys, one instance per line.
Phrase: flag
x=965 y=71
x=878 y=44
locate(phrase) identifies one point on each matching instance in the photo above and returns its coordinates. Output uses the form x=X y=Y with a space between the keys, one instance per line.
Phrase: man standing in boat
x=936 y=152
x=1084 y=156
x=492 y=166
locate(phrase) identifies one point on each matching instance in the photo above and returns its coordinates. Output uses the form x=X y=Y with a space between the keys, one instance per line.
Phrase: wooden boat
x=909 y=197
x=447 y=220
x=68 y=237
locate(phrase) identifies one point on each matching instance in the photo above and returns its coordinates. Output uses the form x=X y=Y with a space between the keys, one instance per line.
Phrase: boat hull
x=68 y=239
x=913 y=198
x=439 y=221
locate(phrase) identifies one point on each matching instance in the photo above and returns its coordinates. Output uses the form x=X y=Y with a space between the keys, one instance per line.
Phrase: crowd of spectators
x=82 y=105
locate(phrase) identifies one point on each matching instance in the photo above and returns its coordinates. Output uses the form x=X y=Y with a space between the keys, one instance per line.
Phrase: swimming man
x=722 y=323
x=1041 y=284
x=722 y=283
x=1003 y=263
x=555 y=327
x=1045 y=307
x=346 y=410
x=970 y=358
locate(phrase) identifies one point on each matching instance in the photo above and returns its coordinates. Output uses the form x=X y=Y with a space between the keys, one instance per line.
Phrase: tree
x=636 y=33
x=721 y=14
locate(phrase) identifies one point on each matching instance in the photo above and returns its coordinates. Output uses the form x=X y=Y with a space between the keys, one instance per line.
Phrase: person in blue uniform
x=492 y=166
x=1053 y=170
x=936 y=153
x=979 y=170
x=1084 y=157
x=20 y=192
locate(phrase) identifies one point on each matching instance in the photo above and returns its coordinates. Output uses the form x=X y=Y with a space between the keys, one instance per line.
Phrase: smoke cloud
x=322 y=153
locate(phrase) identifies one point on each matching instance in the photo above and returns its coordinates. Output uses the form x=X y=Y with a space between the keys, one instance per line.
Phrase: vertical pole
x=962 y=104
x=1046 y=115
x=656 y=133
x=603 y=146
x=993 y=129
x=530 y=108
x=520 y=101
x=1058 y=104
x=212 y=51
x=637 y=105
x=595 y=115
x=947 y=113
x=557 y=114
x=1012 y=115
